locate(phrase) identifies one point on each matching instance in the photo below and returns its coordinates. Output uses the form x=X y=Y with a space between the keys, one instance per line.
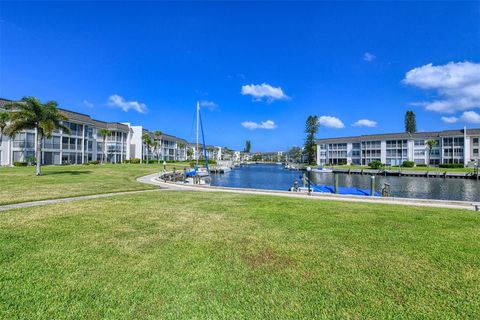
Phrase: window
x=419 y=153
x=419 y=143
x=475 y=142
x=475 y=152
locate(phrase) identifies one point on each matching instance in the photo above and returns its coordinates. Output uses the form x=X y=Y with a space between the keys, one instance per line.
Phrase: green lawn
x=409 y=169
x=19 y=184
x=184 y=255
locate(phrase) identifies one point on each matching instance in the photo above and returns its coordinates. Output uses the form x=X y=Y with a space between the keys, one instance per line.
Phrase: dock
x=410 y=173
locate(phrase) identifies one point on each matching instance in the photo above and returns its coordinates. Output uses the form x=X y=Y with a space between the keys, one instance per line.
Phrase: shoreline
x=451 y=204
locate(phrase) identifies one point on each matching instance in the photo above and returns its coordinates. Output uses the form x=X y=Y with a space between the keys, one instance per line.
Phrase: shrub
x=408 y=164
x=31 y=160
x=93 y=162
x=19 y=163
x=421 y=165
x=202 y=162
x=126 y=161
x=135 y=160
x=375 y=164
x=452 y=165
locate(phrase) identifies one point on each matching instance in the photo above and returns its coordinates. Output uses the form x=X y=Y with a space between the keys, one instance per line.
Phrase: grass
x=409 y=169
x=19 y=184
x=172 y=254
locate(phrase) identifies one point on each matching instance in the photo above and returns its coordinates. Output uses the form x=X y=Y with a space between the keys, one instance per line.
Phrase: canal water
x=275 y=177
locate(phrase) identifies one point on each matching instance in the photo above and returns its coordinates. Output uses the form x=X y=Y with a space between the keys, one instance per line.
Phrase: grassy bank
x=19 y=184
x=174 y=255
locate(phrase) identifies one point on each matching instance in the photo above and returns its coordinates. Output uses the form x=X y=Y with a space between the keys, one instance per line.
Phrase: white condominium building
x=452 y=146
x=84 y=143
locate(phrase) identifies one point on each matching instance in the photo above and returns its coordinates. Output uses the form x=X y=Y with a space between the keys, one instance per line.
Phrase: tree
x=147 y=141
x=4 y=117
x=154 y=146
x=410 y=122
x=181 y=146
x=30 y=114
x=248 y=146
x=430 y=145
x=190 y=153
x=158 y=135
x=295 y=154
x=104 y=133
x=311 y=128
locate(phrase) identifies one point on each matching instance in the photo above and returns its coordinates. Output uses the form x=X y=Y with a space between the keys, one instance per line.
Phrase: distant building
x=453 y=146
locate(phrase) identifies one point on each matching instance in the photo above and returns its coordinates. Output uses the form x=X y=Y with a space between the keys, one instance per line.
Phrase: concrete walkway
x=152 y=179
x=62 y=200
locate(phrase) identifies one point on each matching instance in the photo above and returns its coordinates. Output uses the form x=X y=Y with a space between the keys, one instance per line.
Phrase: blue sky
x=261 y=68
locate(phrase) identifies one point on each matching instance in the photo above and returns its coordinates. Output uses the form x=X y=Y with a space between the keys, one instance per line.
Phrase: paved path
x=152 y=180
x=61 y=200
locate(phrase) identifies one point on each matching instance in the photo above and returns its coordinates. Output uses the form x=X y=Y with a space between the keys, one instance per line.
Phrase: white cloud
x=264 y=91
x=365 y=123
x=269 y=124
x=456 y=85
x=467 y=117
x=119 y=102
x=210 y=105
x=331 y=122
x=367 y=56
x=450 y=119
x=87 y=104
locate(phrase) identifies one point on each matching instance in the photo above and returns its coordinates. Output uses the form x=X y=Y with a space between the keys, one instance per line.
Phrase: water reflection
x=274 y=177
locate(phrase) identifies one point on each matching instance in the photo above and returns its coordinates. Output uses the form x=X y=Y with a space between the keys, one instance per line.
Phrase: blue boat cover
x=192 y=173
x=343 y=190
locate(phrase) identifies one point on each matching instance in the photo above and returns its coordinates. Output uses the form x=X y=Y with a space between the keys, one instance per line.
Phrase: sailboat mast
x=198 y=121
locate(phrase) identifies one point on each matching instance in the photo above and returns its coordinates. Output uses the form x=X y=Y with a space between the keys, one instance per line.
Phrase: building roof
x=81 y=117
x=168 y=137
x=77 y=116
x=401 y=135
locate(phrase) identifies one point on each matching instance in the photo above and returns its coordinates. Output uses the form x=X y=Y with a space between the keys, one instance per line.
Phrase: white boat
x=322 y=170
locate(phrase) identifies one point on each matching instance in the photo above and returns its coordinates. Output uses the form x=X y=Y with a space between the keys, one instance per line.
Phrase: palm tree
x=158 y=135
x=155 y=145
x=29 y=113
x=104 y=133
x=4 y=117
x=430 y=145
x=147 y=141
x=181 y=146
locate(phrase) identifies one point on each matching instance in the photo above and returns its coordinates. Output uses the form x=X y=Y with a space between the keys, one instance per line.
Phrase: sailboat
x=199 y=175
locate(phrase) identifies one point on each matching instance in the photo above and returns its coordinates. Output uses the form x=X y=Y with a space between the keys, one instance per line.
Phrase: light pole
x=308 y=178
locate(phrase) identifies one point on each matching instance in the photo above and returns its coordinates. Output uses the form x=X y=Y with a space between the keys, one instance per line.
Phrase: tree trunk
x=38 y=153
x=104 y=151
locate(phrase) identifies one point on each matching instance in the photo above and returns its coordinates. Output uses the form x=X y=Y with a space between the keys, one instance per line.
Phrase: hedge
x=452 y=165
x=375 y=164
x=408 y=164
x=19 y=164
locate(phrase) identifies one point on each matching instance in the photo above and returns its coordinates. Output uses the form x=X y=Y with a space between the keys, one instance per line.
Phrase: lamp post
x=308 y=178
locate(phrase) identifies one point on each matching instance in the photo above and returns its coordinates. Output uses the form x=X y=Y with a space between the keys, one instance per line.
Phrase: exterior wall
x=136 y=141
x=383 y=148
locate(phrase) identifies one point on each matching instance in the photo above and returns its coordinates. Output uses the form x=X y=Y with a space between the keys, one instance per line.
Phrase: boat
x=322 y=170
x=199 y=175
x=352 y=191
